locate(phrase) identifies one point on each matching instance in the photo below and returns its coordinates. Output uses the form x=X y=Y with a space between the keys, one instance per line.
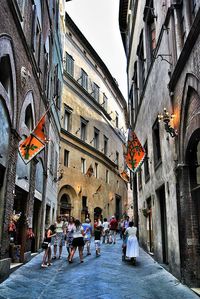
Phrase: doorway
x=163 y=222
x=118 y=207
x=149 y=226
x=36 y=225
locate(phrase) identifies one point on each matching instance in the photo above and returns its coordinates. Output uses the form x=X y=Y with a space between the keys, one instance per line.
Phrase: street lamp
x=166 y=117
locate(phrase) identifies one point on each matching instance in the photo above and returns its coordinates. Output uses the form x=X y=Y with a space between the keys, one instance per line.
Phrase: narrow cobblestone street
x=105 y=277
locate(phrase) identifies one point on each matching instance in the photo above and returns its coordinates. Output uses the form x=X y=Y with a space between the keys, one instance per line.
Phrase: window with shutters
x=96 y=92
x=140 y=53
x=156 y=143
x=105 y=147
x=69 y=65
x=105 y=102
x=83 y=165
x=96 y=138
x=84 y=79
x=66 y=158
x=67 y=119
x=36 y=35
x=83 y=129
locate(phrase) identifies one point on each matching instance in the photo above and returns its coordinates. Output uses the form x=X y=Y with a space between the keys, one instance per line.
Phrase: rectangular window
x=117 y=120
x=146 y=163
x=96 y=170
x=56 y=165
x=96 y=138
x=66 y=158
x=67 y=116
x=83 y=129
x=140 y=53
x=83 y=165
x=84 y=202
x=96 y=92
x=135 y=87
x=51 y=157
x=105 y=147
x=156 y=143
x=69 y=65
x=107 y=176
x=105 y=102
x=84 y=79
x=117 y=159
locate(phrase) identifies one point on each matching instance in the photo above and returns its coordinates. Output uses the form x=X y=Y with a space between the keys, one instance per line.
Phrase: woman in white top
x=78 y=241
x=132 y=247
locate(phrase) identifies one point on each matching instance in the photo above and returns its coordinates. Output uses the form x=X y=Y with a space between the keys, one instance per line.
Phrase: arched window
x=29 y=117
x=6 y=75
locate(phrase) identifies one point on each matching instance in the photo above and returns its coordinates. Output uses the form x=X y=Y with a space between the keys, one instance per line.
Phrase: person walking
x=105 y=232
x=69 y=235
x=49 y=233
x=78 y=241
x=88 y=234
x=113 y=230
x=132 y=247
x=59 y=238
x=97 y=240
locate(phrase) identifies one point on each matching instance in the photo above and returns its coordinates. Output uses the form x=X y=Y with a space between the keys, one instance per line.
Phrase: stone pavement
x=104 y=277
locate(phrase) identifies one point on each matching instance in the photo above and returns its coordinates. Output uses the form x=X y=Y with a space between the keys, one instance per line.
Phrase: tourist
x=97 y=240
x=59 y=238
x=132 y=247
x=49 y=233
x=88 y=234
x=69 y=235
x=113 y=230
x=78 y=233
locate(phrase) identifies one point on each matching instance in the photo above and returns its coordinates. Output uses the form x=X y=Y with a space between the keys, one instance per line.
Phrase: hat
x=87 y=220
x=113 y=217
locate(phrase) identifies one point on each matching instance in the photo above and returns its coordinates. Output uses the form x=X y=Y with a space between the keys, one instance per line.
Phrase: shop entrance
x=18 y=226
x=118 y=209
x=149 y=226
x=97 y=213
x=163 y=220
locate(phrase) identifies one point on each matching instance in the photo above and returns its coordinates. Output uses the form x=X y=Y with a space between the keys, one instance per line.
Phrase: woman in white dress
x=132 y=247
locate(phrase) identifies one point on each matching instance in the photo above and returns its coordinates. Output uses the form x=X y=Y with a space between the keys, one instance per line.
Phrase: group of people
x=74 y=234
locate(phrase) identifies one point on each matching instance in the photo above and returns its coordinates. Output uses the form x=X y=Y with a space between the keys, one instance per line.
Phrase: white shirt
x=106 y=225
x=131 y=231
x=78 y=232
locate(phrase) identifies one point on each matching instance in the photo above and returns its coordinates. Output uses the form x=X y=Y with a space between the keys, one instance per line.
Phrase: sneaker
x=89 y=253
x=49 y=264
x=44 y=266
x=82 y=261
x=54 y=257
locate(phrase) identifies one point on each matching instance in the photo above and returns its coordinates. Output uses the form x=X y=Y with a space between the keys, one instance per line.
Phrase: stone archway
x=97 y=213
x=187 y=187
x=65 y=205
x=68 y=203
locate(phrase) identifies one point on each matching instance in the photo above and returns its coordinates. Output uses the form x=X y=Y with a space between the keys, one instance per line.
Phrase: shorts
x=97 y=244
x=78 y=242
x=59 y=239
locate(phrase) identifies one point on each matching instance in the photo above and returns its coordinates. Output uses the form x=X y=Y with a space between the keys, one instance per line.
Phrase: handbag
x=45 y=245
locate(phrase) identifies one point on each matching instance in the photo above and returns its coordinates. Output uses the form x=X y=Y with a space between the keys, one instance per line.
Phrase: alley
x=105 y=277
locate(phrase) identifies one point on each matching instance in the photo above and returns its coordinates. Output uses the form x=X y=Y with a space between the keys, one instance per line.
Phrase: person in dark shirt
x=97 y=240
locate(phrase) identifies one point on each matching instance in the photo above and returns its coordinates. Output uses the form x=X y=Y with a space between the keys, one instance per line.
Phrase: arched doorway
x=65 y=205
x=97 y=213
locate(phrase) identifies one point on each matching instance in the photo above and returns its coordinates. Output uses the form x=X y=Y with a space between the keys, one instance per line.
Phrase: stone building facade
x=161 y=40
x=93 y=123
x=26 y=91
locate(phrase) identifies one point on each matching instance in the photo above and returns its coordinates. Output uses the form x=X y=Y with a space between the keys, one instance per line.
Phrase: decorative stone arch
x=67 y=200
x=187 y=201
x=28 y=102
x=7 y=54
x=191 y=85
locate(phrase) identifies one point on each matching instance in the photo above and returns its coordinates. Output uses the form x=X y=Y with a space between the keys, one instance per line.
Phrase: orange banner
x=34 y=143
x=135 y=154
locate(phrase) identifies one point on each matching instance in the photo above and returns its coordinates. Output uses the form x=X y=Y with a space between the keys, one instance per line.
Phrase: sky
x=98 y=21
